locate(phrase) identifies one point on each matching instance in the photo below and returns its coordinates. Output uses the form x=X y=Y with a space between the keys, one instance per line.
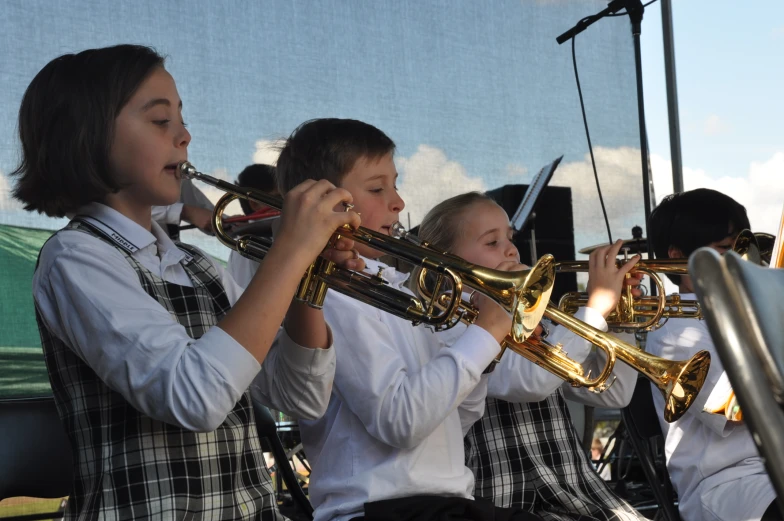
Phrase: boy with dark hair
x=259 y=177
x=713 y=462
x=390 y=445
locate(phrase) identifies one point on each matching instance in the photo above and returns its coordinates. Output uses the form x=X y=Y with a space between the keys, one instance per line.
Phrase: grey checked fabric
x=528 y=455
x=128 y=466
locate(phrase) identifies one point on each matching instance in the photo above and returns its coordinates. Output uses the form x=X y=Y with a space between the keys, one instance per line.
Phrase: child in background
x=713 y=462
x=262 y=178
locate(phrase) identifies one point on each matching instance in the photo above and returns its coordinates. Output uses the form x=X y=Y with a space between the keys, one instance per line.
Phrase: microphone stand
x=635 y=9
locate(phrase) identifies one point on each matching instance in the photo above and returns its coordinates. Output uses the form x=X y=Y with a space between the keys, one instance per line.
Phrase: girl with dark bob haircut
x=156 y=401
x=66 y=126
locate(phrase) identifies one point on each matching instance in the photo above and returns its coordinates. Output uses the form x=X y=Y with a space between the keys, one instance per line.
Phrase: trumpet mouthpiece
x=186 y=170
x=399 y=231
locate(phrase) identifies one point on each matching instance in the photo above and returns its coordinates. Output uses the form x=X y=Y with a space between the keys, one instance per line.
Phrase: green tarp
x=22 y=369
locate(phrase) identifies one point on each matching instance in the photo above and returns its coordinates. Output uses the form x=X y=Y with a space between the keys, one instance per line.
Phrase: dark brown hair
x=66 y=126
x=260 y=177
x=328 y=149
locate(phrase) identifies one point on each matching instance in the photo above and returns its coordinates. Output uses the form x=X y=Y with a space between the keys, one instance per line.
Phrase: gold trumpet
x=647 y=313
x=522 y=294
x=679 y=381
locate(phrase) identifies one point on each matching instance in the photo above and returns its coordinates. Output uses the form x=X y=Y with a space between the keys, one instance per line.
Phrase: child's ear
x=675 y=253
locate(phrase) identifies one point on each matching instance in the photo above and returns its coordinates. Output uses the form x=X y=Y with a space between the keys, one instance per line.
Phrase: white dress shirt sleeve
x=167 y=214
x=619 y=394
x=472 y=408
x=294 y=379
x=90 y=297
x=516 y=379
x=241 y=268
x=397 y=405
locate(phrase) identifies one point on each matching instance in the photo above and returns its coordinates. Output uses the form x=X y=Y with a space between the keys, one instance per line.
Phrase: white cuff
x=591 y=317
x=477 y=346
x=307 y=360
x=234 y=362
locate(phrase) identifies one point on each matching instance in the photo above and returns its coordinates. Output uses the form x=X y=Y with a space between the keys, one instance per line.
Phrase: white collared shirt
x=714 y=465
x=401 y=404
x=171 y=214
x=241 y=269
x=90 y=297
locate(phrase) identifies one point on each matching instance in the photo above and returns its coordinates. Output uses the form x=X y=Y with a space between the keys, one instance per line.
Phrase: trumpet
x=647 y=313
x=522 y=294
x=679 y=381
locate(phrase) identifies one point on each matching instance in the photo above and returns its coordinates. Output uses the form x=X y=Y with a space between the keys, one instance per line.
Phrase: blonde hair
x=442 y=225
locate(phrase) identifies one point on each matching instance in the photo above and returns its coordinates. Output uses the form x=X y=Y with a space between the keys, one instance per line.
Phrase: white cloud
x=761 y=191
x=427 y=178
x=714 y=125
x=621 y=182
x=267 y=151
x=778 y=32
x=516 y=173
x=7 y=202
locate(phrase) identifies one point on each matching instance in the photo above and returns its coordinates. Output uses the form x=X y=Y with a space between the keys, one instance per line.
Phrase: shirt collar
x=129 y=235
x=391 y=275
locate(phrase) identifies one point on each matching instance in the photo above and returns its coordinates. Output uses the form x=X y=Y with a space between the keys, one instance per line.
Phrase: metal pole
x=635 y=15
x=672 y=96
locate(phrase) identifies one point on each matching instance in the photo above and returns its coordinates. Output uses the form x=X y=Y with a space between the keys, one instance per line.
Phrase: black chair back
x=644 y=430
x=267 y=428
x=35 y=454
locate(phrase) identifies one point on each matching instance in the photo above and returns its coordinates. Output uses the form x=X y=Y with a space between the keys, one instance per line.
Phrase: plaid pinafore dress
x=528 y=455
x=130 y=466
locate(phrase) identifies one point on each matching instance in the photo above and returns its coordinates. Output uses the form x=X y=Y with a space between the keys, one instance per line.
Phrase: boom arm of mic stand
x=612 y=8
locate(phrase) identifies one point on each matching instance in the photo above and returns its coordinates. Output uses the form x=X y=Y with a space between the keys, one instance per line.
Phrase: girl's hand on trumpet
x=606 y=280
x=309 y=220
x=492 y=317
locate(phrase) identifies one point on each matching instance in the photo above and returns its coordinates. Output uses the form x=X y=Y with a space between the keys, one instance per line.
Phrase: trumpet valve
x=378 y=276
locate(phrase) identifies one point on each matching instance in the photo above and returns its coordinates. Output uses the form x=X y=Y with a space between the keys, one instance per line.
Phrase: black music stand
x=525 y=211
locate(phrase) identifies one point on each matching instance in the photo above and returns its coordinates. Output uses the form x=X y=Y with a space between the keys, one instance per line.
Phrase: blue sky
x=730 y=79
x=475 y=95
